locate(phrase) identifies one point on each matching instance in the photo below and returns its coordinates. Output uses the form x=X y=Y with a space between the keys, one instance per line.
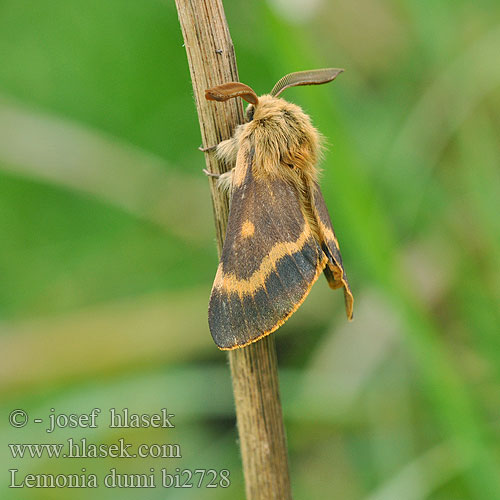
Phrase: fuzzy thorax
x=285 y=142
x=284 y=139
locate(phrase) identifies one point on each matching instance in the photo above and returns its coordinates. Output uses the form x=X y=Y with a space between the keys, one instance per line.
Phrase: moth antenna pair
x=230 y=90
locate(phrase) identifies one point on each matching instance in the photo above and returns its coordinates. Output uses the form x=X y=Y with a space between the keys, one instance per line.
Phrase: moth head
x=230 y=90
x=250 y=112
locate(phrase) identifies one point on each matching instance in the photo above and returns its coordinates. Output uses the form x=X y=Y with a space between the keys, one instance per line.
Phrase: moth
x=279 y=236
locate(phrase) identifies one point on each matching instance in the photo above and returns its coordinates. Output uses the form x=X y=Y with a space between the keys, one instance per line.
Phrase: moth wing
x=269 y=262
x=334 y=270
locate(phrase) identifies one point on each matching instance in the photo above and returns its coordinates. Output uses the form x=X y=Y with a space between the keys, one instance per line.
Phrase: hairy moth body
x=279 y=237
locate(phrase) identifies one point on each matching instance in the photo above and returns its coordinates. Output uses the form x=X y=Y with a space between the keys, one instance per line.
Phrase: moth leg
x=224 y=181
x=227 y=151
x=211 y=174
x=207 y=150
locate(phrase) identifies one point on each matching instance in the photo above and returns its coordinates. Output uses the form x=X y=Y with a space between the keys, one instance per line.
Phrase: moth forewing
x=270 y=259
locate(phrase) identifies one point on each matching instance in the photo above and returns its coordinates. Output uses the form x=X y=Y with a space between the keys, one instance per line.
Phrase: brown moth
x=279 y=237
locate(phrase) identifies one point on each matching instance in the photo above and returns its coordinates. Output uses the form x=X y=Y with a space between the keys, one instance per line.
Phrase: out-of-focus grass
x=107 y=251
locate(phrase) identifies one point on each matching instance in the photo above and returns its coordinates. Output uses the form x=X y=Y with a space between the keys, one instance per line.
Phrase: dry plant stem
x=254 y=368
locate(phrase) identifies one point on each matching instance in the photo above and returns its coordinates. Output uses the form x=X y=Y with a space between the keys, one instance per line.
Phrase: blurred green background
x=107 y=242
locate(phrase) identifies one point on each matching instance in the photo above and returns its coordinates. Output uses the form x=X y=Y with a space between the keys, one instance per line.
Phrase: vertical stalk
x=254 y=368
